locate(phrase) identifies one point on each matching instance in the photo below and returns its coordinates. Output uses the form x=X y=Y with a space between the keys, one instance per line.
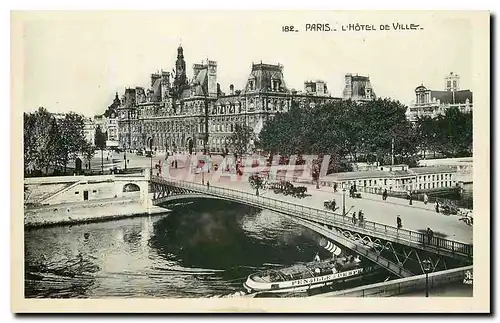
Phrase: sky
x=76 y=61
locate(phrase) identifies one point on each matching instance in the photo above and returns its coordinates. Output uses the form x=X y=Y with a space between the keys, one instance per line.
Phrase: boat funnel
x=330 y=247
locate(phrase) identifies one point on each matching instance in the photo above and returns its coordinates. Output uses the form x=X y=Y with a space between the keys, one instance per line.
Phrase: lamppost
x=343 y=201
x=128 y=137
x=427 y=265
x=202 y=173
x=151 y=155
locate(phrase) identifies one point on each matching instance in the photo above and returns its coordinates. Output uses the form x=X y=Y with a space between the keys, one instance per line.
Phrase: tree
x=100 y=143
x=88 y=152
x=39 y=140
x=342 y=129
x=240 y=139
x=71 y=138
x=51 y=142
x=29 y=142
x=256 y=182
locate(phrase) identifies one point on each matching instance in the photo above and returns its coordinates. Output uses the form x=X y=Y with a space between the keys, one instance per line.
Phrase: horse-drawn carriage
x=287 y=188
x=330 y=205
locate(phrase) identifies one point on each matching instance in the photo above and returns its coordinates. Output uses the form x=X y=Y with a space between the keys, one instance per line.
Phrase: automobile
x=139 y=152
x=149 y=153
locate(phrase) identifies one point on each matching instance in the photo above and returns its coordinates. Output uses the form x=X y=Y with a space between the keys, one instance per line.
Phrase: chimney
x=130 y=98
x=154 y=77
x=196 y=69
x=231 y=89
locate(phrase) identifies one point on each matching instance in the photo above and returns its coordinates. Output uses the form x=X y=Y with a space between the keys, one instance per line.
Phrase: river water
x=205 y=249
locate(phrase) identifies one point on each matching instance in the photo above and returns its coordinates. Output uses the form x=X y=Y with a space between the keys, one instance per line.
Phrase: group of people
x=360 y=217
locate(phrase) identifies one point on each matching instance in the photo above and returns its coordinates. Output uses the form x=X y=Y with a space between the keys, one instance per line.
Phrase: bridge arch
x=188 y=196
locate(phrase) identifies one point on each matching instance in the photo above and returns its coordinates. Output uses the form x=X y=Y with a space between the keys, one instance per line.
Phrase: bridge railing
x=327 y=217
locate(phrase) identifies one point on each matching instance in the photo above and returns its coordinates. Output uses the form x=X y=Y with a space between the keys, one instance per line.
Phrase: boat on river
x=305 y=276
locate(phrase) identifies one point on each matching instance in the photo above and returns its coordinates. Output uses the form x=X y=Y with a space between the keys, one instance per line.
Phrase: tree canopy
x=51 y=142
x=365 y=132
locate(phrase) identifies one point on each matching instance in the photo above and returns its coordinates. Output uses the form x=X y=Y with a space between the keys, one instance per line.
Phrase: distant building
x=433 y=103
x=358 y=88
x=398 y=178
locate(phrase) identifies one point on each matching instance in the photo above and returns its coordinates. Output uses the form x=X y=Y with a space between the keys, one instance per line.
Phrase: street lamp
x=151 y=155
x=427 y=265
x=127 y=137
x=343 y=201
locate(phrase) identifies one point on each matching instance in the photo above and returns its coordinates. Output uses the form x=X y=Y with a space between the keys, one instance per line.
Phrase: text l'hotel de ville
x=335 y=27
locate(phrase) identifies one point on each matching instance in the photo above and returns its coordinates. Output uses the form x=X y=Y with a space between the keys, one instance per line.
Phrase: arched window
x=130 y=187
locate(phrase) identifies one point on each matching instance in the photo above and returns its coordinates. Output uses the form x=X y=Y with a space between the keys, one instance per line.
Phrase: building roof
x=389 y=174
x=447 y=96
x=364 y=175
x=433 y=170
x=262 y=74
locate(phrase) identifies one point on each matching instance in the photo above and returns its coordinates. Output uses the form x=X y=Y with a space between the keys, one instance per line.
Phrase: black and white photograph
x=246 y=160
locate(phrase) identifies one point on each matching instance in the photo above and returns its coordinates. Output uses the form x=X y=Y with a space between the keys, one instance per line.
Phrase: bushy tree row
x=365 y=132
x=449 y=135
x=50 y=143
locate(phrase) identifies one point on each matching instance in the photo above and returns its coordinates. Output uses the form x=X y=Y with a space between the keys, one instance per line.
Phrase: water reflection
x=205 y=249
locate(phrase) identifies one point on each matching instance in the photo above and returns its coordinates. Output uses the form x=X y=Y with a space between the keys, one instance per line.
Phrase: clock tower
x=180 y=70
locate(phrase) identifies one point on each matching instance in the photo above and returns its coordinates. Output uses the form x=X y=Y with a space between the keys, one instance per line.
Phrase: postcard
x=250 y=161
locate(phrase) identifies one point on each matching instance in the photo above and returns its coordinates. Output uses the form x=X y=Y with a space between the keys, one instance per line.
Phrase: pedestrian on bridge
x=335 y=188
x=361 y=217
x=208 y=185
x=437 y=206
x=426 y=199
x=430 y=235
x=384 y=195
x=354 y=219
x=399 y=222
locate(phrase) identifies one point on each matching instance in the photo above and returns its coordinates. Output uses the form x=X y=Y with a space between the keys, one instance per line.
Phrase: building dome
x=420 y=88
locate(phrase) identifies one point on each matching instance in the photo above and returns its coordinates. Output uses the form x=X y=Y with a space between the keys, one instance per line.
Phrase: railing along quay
x=412 y=238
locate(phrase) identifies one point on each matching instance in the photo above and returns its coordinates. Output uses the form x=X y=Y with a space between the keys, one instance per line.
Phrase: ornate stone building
x=175 y=116
x=433 y=103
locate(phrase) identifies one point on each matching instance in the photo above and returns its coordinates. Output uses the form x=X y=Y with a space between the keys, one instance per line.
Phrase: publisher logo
x=468 y=279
